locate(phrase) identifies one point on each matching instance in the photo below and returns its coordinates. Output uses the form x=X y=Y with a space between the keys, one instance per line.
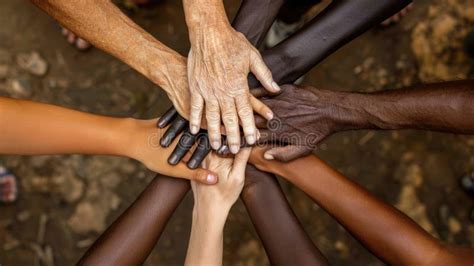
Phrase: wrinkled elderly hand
x=304 y=116
x=219 y=62
x=231 y=173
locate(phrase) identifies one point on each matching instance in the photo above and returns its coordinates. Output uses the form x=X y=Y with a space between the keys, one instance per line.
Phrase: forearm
x=388 y=233
x=255 y=18
x=107 y=28
x=203 y=16
x=445 y=106
x=130 y=239
x=282 y=235
x=206 y=240
x=339 y=23
x=30 y=128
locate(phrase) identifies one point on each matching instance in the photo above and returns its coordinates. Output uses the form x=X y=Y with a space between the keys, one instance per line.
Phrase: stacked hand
x=218 y=65
x=304 y=116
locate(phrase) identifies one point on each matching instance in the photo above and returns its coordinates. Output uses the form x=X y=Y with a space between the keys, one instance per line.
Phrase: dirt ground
x=67 y=201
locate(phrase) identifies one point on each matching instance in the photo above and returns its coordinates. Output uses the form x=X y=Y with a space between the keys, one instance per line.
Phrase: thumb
x=287 y=153
x=262 y=73
x=240 y=162
x=200 y=175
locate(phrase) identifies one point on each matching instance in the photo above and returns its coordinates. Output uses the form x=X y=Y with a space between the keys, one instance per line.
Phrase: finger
x=185 y=143
x=197 y=105
x=259 y=92
x=166 y=119
x=71 y=38
x=231 y=123
x=178 y=126
x=213 y=118
x=244 y=109
x=287 y=153
x=262 y=73
x=260 y=121
x=202 y=150
x=240 y=162
x=224 y=149
x=260 y=108
x=201 y=175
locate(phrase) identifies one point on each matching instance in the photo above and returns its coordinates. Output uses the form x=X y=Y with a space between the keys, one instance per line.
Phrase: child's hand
x=144 y=146
x=231 y=172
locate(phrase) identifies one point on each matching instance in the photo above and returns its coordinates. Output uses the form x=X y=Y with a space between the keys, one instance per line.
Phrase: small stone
x=85 y=243
x=357 y=70
x=23 y=216
x=33 y=63
x=454 y=225
x=19 y=87
x=342 y=248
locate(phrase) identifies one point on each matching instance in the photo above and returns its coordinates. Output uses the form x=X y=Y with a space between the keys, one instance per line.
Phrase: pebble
x=454 y=225
x=23 y=216
x=33 y=63
x=19 y=87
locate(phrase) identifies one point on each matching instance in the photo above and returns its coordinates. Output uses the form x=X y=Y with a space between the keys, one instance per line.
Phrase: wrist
x=204 y=17
x=166 y=71
x=124 y=142
x=349 y=109
x=212 y=213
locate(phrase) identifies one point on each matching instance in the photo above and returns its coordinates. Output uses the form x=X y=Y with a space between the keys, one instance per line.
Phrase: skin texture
x=320 y=113
x=65 y=131
x=219 y=62
x=211 y=208
x=386 y=232
x=358 y=17
x=103 y=25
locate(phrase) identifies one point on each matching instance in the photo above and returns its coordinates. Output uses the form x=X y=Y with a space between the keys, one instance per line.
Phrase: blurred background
x=67 y=201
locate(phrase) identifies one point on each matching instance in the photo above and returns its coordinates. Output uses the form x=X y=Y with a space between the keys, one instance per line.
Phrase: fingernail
x=275 y=86
x=223 y=150
x=234 y=149
x=268 y=156
x=211 y=179
x=194 y=129
x=251 y=139
x=269 y=115
x=258 y=134
x=215 y=144
x=173 y=159
x=193 y=164
x=165 y=142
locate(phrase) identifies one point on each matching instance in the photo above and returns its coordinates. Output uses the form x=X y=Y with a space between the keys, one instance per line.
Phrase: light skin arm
x=30 y=128
x=219 y=62
x=386 y=232
x=107 y=28
x=211 y=207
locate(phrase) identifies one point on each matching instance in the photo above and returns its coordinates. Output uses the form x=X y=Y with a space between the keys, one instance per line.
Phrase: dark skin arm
x=386 y=232
x=445 y=106
x=339 y=23
x=131 y=238
x=283 y=237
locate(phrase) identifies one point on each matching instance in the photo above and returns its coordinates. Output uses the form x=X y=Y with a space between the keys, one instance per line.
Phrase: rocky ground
x=67 y=201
